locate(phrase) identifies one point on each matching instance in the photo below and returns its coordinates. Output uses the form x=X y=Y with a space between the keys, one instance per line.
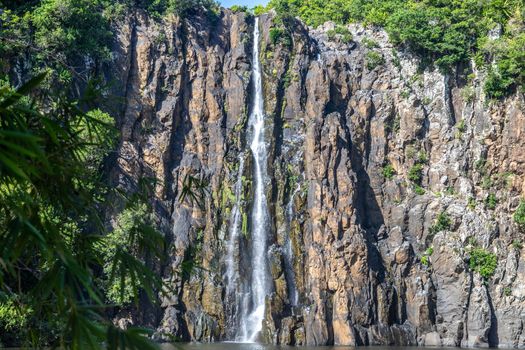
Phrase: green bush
x=516 y=244
x=120 y=240
x=419 y=190
x=238 y=8
x=442 y=223
x=491 y=201
x=374 y=59
x=181 y=8
x=497 y=85
x=471 y=203
x=345 y=34
x=483 y=262
x=388 y=171
x=415 y=174
x=519 y=214
x=14 y=315
x=509 y=55
x=425 y=259
x=259 y=10
x=342 y=32
x=275 y=35
x=370 y=43
x=279 y=35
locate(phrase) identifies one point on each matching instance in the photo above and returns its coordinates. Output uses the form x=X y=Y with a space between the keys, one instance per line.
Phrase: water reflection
x=254 y=346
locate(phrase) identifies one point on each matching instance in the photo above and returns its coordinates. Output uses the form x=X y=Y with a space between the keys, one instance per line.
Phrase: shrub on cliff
x=483 y=262
x=415 y=174
x=519 y=214
x=442 y=223
x=374 y=59
x=448 y=33
x=388 y=171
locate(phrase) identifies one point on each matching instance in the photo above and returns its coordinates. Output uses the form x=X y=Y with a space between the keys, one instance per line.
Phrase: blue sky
x=249 y=3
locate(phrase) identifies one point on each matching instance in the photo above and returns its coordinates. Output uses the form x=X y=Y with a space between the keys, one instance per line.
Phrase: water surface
x=254 y=346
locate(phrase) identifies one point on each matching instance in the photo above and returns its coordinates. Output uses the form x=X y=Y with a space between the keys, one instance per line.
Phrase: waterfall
x=232 y=249
x=288 y=252
x=252 y=314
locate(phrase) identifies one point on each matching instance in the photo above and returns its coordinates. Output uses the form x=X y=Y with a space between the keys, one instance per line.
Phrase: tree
x=51 y=228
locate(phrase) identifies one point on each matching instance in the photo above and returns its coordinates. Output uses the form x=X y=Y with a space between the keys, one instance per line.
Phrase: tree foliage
x=51 y=226
x=445 y=32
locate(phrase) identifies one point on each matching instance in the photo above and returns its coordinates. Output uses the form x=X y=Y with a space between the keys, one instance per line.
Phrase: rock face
x=366 y=150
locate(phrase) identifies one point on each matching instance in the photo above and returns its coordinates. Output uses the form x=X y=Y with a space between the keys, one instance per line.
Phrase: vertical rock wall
x=360 y=235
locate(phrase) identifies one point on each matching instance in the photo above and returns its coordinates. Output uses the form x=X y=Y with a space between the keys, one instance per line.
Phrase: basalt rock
x=336 y=118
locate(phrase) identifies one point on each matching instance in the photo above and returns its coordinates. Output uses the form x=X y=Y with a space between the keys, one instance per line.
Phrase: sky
x=249 y=3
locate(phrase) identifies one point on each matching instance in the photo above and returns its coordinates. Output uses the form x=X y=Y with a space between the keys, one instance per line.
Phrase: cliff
x=385 y=178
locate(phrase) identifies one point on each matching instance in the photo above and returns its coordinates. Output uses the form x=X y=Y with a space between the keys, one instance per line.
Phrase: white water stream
x=252 y=314
x=288 y=252
x=232 y=272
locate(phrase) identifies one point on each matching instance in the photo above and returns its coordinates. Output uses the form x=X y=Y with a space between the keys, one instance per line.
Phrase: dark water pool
x=239 y=346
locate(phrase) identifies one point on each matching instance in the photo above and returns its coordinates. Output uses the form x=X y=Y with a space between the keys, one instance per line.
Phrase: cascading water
x=252 y=313
x=232 y=272
x=288 y=252
x=233 y=254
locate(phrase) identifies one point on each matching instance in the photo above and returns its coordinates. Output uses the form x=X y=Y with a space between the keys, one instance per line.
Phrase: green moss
x=461 y=127
x=227 y=197
x=468 y=93
x=244 y=226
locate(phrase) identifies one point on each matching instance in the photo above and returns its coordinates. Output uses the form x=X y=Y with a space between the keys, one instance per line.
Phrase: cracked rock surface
x=370 y=266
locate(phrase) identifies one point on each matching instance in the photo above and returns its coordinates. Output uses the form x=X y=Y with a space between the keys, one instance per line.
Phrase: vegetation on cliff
x=447 y=33
x=71 y=39
x=57 y=261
